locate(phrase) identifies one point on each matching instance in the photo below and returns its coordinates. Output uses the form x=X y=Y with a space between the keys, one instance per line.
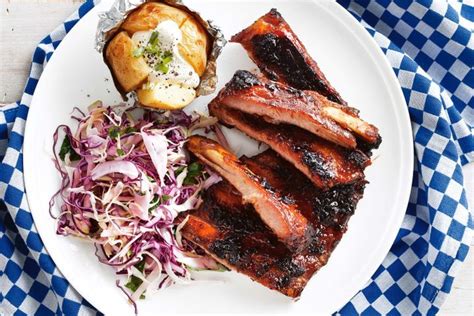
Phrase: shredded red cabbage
x=125 y=178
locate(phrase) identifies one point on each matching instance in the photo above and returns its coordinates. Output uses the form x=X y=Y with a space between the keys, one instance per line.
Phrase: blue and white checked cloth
x=429 y=45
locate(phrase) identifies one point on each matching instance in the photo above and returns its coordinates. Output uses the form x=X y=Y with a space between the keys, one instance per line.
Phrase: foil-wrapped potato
x=160 y=52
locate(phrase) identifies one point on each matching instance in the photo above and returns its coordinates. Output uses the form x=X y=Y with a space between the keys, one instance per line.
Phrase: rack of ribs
x=232 y=232
x=278 y=212
x=278 y=216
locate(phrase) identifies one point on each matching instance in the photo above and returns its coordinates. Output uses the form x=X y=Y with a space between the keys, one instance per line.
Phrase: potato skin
x=194 y=44
x=147 y=17
x=129 y=72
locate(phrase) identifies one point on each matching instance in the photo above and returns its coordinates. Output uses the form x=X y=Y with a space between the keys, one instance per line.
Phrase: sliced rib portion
x=280 y=55
x=234 y=235
x=278 y=103
x=331 y=208
x=245 y=245
x=324 y=163
x=278 y=52
x=280 y=214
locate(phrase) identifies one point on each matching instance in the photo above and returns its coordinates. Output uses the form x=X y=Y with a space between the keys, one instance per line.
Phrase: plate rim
x=394 y=89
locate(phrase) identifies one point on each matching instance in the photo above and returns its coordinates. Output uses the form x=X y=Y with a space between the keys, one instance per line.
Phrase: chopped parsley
x=120 y=152
x=129 y=130
x=114 y=132
x=179 y=170
x=157 y=201
x=154 y=203
x=134 y=283
x=194 y=170
x=66 y=148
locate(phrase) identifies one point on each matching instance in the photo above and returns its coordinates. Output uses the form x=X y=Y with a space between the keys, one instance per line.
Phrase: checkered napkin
x=429 y=46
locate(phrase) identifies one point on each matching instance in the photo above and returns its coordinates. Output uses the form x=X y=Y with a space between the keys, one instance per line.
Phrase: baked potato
x=129 y=71
x=160 y=52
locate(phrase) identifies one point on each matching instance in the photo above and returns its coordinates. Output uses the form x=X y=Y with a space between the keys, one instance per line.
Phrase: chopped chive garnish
x=138 y=52
x=166 y=58
x=167 y=54
x=154 y=50
x=162 y=68
x=153 y=41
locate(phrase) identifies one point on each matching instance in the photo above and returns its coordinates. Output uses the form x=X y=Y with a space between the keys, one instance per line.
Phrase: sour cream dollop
x=178 y=70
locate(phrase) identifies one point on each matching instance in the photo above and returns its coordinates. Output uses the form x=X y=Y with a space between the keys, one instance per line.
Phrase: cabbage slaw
x=125 y=179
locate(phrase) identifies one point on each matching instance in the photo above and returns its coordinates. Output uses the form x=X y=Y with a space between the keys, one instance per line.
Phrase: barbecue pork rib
x=279 y=213
x=323 y=162
x=278 y=103
x=281 y=56
x=234 y=234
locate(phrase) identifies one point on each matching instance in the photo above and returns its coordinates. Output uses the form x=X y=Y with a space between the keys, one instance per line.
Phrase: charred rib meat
x=278 y=103
x=280 y=55
x=324 y=163
x=279 y=213
x=278 y=216
x=234 y=235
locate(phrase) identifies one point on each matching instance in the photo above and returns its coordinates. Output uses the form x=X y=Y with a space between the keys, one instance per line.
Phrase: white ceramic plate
x=353 y=63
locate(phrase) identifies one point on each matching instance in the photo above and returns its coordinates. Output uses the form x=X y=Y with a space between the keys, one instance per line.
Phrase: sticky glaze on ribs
x=234 y=234
x=278 y=103
x=281 y=104
x=277 y=217
x=324 y=163
x=281 y=56
x=278 y=212
x=278 y=52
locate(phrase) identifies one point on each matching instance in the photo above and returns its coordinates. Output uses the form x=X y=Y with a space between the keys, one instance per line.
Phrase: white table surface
x=23 y=23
